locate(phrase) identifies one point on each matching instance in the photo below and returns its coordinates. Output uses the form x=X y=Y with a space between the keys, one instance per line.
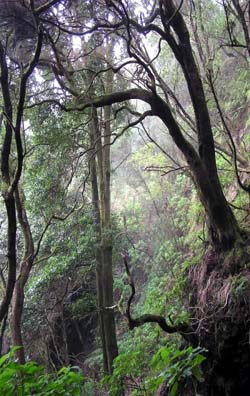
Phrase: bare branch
x=49 y=223
x=210 y=79
x=148 y=318
x=20 y=109
x=46 y=6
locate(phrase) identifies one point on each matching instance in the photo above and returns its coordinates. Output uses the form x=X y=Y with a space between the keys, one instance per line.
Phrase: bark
x=23 y=275
x=107 y=243
x=97 y=225
x=243 y=17
x=9 y=200
x=101 y=203
x=11 y=254
x=16 y=316
x=2 y=331
x=109 y=319
x=100 y=172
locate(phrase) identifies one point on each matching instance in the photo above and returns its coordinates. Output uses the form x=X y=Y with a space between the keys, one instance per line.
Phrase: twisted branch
x=182 y=328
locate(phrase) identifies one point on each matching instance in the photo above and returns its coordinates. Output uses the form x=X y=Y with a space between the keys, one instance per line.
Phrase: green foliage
x=84 y=305
x=128 y=371
x=174 y=366
x=30 y=379
x=71 y=244
x=169 y=364
x=131 y=367
x=240 y=285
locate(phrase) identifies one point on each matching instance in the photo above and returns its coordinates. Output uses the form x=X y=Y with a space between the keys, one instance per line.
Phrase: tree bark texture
x=100 y=172
x=107 y=243
x=22 y=277
x=97 y=225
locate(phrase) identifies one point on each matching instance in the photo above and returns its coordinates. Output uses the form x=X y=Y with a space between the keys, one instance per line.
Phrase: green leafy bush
x=128 y=373
x=174 y=366
x=169 y=364
x=30 y=379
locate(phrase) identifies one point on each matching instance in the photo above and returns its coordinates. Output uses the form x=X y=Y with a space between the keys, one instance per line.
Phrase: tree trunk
x=23 y=275
x=11 y=255
x=9 y=199
x=97 y=226
x=223 y=229
x=16 y=320
x=107 y=243
x=100 y=172
x=109 y=318
x=104 y=272
x=222 y=226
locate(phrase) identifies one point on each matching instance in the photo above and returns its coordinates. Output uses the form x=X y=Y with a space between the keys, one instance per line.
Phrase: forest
x=125 y=206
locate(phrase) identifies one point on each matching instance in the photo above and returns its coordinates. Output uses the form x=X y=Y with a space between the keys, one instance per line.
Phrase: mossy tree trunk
x=22 y=277
x=94 y=134
x=107 y=242
x=100 y=139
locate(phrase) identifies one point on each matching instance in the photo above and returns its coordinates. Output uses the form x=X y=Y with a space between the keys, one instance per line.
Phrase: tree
x=10 y=175
x=13 y=113
x=100 y=173
x=166 y=23
x=221 y=223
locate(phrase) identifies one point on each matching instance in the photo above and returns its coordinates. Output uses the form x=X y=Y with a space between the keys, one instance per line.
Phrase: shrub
x=31 y=379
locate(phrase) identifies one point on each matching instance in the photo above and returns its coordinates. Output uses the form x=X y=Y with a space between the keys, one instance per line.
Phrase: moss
x=240 y=284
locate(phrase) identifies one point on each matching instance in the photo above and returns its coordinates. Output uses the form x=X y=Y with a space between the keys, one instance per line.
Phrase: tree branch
x=8 y=112
x=148 y=318
x=45 y=6
x=210 y=79
x=20 y=109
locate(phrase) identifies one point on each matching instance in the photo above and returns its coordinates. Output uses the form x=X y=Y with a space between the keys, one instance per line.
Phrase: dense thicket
x=125 y=187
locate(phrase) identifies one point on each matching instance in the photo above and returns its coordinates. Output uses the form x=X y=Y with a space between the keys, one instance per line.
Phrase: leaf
x=161 y=358
x=8 y=355
x=174 y=388
x=197 y=373
x=31 y=368
x=198 y=360
x=3 y=359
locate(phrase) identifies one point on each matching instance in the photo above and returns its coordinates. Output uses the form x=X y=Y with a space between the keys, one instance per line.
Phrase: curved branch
x=148 y=318
x=20 y=109
x=11 y=254
x=243 y=21
x=8 y=112
x=158 y=106
x=46 y=6
x=48 y=224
